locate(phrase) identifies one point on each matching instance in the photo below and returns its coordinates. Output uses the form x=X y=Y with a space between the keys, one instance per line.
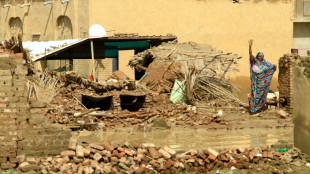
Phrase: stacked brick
x=23 y=129
x=40 y=137
x=12 y=92
x=285 y=82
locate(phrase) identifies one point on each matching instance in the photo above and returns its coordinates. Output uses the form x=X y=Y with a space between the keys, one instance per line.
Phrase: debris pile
x=69 y=112
x=67 y=107
x=110 y=85
x=147 y=158
x=14 y=44
x=204 y=70
x=119 y=75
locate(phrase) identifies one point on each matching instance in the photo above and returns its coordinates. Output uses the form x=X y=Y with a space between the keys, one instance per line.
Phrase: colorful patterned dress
x=261 y=75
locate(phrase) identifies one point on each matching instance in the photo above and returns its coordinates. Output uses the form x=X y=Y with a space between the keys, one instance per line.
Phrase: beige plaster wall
x=41 y=19
x=227 y=26
x=123 y=58
x=301 y=101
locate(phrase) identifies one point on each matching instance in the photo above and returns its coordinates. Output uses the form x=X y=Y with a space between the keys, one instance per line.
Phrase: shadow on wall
x=64 y=28
x=16 y=27
x=243 y=83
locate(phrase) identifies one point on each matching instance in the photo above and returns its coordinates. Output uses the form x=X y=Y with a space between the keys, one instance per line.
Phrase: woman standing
x=261 y=74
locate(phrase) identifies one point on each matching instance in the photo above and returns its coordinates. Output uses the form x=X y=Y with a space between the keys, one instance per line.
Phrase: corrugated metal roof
x=40 y=50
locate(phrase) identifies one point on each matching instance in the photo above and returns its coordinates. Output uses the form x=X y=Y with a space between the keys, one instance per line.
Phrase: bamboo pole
x=93 y=59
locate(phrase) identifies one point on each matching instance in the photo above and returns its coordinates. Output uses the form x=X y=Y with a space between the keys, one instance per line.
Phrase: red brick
x=108 y=146
x=238 y=165
x=212 y=157
x=97 y=147
x=154 y=153
x=128 y=152
x=120 y=149
x=114 y=153
x=69 y=153
x=8 y=165
x=121 y=154
x=210 y=166
x=277 y=154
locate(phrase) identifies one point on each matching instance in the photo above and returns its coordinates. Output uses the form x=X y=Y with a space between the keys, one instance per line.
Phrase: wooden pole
x=93 y=59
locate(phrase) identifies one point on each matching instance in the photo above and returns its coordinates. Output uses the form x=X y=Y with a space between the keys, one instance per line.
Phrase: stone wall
x=23 y=128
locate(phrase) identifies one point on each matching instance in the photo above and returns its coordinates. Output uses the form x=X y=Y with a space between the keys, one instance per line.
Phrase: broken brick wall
x=285 y=81
x=40 y=137
x=23 y=128
x=301 y=93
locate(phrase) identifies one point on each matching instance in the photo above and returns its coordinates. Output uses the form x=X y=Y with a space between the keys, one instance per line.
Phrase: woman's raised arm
x=250 y=50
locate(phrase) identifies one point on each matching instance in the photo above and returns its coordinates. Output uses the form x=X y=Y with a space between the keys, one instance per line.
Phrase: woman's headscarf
x=261 y=53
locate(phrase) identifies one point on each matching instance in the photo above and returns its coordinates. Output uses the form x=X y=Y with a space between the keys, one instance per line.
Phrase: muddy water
x=183 y=139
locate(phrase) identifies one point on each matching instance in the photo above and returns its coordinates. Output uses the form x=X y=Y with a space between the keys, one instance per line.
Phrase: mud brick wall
x=285 y=80
x=23 y=128
x=39 y=137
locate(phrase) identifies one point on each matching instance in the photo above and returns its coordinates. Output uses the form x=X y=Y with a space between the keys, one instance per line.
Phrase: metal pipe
x=7 y=5
x=48 y=2
x=22 y=6
x=64 y=1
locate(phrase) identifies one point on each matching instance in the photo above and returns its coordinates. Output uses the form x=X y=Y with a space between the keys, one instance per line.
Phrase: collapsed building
x=204 y=71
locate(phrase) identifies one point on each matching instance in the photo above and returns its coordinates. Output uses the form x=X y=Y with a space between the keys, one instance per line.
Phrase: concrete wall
x=301 y=88
x=227 y=26
x=301 y=38
x=301 y=29
x=50 y=22
x=302 y=11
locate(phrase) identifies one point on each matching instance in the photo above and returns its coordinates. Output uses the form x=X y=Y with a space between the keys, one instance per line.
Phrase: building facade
x=301 y=37
x=38 y=20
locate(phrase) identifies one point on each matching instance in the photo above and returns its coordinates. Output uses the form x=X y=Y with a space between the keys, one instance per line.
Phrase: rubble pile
x=110 y=85
x=65 y=105
x=67 y=109
x=205 y=71
x=184 y=115
x=147 y=158
x=119 y=75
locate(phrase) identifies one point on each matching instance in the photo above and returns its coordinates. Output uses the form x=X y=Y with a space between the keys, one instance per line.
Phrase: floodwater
x=183 y=139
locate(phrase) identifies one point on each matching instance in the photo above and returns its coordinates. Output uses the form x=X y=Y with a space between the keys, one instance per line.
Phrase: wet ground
x=240 y=129
x=183 y=139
